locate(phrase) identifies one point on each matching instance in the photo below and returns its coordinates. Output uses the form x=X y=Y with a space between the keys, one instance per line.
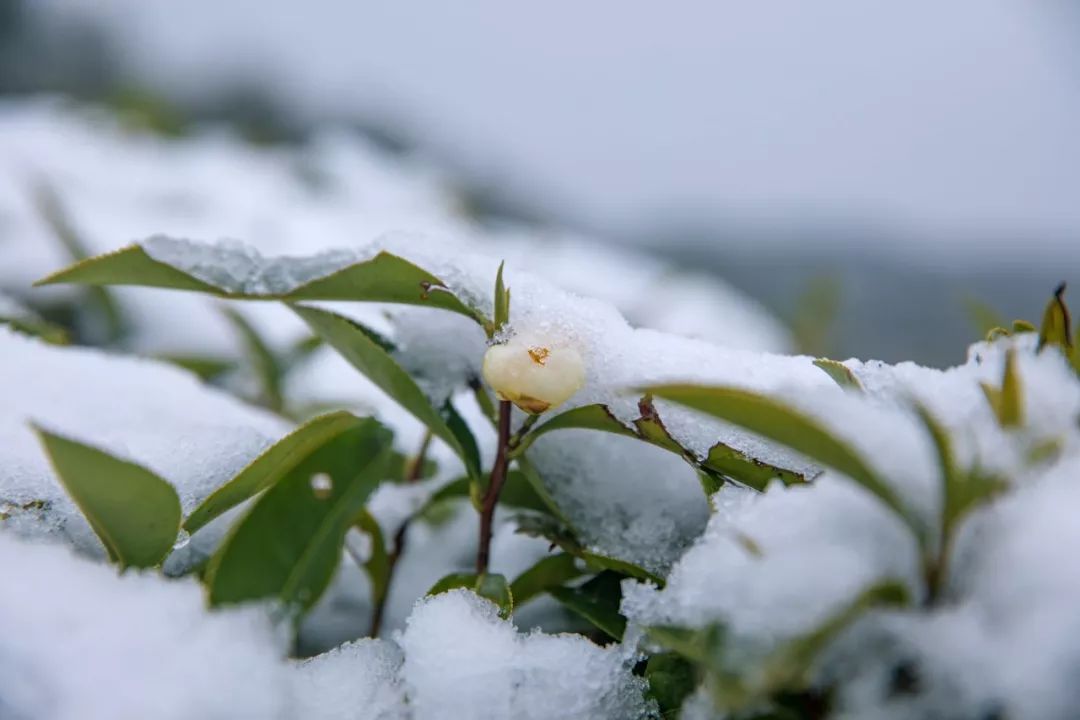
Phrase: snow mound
x=151 y=413
x=463 y=662
x=79 y=643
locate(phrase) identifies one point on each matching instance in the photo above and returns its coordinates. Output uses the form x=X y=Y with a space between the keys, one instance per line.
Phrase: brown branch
x=491 y=497
x=412 y=474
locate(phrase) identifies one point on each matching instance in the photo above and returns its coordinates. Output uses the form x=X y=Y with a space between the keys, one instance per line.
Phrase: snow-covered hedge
x=602 y=520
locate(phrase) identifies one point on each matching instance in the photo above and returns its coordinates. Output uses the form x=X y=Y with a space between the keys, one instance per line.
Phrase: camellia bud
x=534 y=372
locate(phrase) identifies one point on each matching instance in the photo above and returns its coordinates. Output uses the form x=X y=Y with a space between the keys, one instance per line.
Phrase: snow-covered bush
x=717 y=532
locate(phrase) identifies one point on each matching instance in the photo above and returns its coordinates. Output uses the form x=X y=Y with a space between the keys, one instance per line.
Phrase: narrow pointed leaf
x=134 y=512
x=1056 y=328
x=356 y=345
x=274 y=463
x=289 y=545
x=840 y=373
x=1012 y=394
x=1007 y=403
x=260 y=357
x=55 y=215
x=502 y=300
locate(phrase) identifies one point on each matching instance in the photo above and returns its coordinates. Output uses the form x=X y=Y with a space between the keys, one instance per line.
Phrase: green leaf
x=597 y=601
x=522 y=498
x=650 y=428
x=289 y=545
x=703 y=646
x=779 y=423
x=590 y=417
x=502 y=301
x=740 y=467
x=378 y=565
x=789 y=668
x=261 y=359
x=134 y=512
x=1056 y=328
x=671 y=680
x=466 y=441
x=205 y=367
x=548 y=572
x=103 y=302
x=1023 y=326
x=840 y=373
x=355 y=343
x=722 y=460
x=490 y=586
x=951 y=477
x=1008 y=402
x=383 y=278
x=560 y=535
x=27 y=322
x=274 y=463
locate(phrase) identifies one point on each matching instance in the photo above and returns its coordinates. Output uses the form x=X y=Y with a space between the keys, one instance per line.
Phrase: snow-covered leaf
x=502 y=301
x=167 y=263
x=274 y=463
x=775 y=421
x=1007 y=402
x=134 y=512
x=490 y=586
x=839 y=372
x=1055 y=328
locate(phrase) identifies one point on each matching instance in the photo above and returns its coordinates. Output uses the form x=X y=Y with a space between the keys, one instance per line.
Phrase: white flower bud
x=534 y=372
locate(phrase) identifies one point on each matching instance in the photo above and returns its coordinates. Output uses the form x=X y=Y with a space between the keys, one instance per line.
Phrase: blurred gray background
x=885 y=176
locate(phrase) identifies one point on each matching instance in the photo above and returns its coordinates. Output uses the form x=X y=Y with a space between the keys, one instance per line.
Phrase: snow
x=79 y=643
x=769 y=566
x=358 y=680
x=211 y=186
x=774 y=566
x=153 y=414
x=139 y=645
x=461 y=658
x=241 y=268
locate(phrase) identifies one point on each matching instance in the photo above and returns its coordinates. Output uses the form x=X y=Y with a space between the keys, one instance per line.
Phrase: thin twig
x=491 y=497
x=412 y=474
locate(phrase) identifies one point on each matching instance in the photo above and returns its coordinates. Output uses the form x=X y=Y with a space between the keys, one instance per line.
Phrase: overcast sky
x=956 y=118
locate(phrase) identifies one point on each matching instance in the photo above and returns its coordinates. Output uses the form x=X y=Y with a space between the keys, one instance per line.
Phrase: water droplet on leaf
x=182 y=540
x=322 y=485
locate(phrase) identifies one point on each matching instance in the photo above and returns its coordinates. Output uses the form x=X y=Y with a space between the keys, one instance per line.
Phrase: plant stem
x=495 y=485
x=412 y=474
